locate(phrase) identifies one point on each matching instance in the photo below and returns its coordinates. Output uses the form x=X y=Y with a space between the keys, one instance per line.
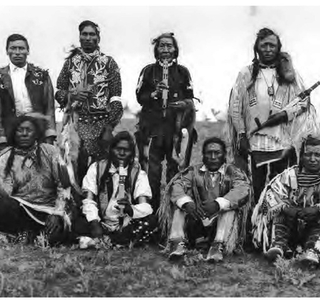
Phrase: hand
x=303 y=104
x=96 y=229
x=127 y=205
x=309 y=214
x=160 y=86
x=291 y=212
x=181 y=104
x=50 y=140
x=196 y=213
x=244 y=146
x=211 y=207
x=106 y=134
x=80 y=95
x=53 y=224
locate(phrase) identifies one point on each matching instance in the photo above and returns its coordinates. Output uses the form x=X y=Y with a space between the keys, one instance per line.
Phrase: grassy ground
x=67 y=271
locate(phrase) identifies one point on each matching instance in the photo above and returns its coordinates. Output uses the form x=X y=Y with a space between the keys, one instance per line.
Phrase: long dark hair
x=262 y=34
x=121 y=136
x=156 y=42
x=40 y=126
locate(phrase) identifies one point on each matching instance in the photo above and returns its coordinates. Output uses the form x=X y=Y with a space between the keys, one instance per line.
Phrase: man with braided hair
x=288 y=212
x=101 y=208
x=165 y=93
x=263 y=89
x=33 y=197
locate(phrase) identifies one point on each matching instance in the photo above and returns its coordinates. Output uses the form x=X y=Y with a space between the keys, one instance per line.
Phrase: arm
x=3 y=138
x=144 y=89
x=295 y=108
x=182 y=189
x=142 y=193
x=239 y=189
x=50 y=109
x=63 y=85
x=90 y=188
x=236 y=103
x=115 y=88
x=188 y=93
x=6 y=182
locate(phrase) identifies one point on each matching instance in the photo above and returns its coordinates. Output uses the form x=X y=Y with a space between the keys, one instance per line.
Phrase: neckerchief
x=88 y=57
x=263 y=66
x=30 y=153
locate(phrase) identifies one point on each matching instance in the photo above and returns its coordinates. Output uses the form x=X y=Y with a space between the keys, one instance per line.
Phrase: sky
x=215 y=41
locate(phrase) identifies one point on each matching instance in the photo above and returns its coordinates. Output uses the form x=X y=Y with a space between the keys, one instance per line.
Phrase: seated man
x=31 y=194
x=288 y=211
x=117 y=194
x=213 y=190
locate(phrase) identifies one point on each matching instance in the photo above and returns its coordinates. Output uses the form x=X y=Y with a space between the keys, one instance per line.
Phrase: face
x=121 y=152
x=213 y=157
x=25 y=135
x=89 y=40
x=311 y=159
x=268 y=49
x=166 y=49
x=18 y=52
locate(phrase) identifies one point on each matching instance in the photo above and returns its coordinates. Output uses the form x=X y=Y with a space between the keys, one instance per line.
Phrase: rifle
x=281 y=117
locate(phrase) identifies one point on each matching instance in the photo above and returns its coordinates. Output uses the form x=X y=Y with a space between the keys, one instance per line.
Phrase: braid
x=103 y=179
x=9 y=163
x=255 y=71
x=38 y=157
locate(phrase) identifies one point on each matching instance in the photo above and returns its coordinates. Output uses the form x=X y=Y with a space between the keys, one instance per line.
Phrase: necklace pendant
x=270 y=91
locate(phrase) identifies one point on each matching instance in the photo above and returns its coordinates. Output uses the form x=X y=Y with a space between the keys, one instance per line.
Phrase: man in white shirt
x=117 y=197
x=24 y=88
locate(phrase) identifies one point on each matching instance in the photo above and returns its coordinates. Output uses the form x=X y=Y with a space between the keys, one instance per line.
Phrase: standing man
x=263 y=89
x=24 y=88
x=89 y=90
x=166 y=95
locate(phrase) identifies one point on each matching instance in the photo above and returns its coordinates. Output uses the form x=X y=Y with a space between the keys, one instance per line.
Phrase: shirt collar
x=114 y=170
x=14 y=67
x=169 y=64
x=221 y=169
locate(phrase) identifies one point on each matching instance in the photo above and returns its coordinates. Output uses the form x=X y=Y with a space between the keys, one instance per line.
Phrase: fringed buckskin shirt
x=248 y=104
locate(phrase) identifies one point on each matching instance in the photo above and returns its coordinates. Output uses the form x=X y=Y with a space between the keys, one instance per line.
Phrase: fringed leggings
x=289 y=234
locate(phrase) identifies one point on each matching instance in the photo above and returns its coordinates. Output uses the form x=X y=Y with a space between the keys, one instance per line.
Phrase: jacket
x=41 y=95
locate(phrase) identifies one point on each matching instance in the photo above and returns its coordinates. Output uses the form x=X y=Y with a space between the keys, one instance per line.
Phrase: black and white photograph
x=159 y=149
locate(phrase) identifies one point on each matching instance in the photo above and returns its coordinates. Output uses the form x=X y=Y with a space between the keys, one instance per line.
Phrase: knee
x=152 y=221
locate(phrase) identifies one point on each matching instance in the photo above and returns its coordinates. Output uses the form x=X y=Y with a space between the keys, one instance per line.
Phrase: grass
x=40 y=271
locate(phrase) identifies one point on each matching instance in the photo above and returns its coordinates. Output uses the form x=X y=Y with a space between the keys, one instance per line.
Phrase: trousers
x=224 y=230
x=138 y=231
x=160 y=148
